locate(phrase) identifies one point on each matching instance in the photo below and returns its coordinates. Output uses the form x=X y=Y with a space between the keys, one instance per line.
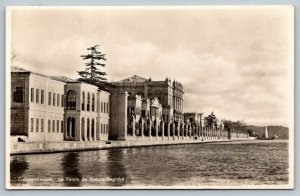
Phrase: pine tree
x=92 y=74
x=210 y=121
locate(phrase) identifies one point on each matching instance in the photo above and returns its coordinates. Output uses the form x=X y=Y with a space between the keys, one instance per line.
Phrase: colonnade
x=168 y=130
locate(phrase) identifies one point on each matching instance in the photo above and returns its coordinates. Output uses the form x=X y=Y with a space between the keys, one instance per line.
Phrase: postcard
x=150 y=97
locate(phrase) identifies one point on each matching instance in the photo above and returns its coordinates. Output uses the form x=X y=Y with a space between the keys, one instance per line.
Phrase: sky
x=234 y=61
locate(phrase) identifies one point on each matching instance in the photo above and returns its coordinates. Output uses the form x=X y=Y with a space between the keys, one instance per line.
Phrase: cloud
x=235 y=62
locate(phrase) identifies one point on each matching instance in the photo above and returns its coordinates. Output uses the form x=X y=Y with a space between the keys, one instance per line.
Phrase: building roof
x=134 y=78
x=57 y=78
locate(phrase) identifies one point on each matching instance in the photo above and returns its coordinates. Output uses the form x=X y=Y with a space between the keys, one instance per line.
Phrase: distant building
x=169 y=95
x=193 y=117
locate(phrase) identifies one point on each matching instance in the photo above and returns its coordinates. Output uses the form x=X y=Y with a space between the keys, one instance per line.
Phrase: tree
x=210 y=121
x=238 y=126
x=92 y=74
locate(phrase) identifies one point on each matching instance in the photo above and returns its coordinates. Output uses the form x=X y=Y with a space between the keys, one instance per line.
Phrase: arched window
x=93 y=102
x=71 y=100
x=83 y=101
x=88 y=102
x=93 y=130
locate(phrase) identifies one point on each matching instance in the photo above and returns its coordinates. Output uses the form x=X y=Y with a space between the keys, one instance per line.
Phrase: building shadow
x=116 y=169
x=18 y=165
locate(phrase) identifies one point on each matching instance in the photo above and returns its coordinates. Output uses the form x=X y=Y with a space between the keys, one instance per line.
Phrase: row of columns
x=171 y=130
x=86 y=130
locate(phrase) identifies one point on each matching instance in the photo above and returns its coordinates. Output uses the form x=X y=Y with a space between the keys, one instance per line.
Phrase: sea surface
x=207 y=164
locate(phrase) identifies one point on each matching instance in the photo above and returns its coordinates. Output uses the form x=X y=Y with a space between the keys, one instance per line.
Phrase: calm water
x=236 y=163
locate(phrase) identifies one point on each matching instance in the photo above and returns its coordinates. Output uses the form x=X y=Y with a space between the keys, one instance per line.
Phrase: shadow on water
x=116 y=169
x=18 y=165
x=70 y=165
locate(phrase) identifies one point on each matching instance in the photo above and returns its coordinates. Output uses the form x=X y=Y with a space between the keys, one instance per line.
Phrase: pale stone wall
x=118 y=115
x=44 y=109
x=103 y=120
x=84 y=113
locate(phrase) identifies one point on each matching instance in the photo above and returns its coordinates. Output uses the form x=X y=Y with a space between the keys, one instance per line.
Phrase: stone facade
x=36 y=107
x=170 y=95
x=45 y=108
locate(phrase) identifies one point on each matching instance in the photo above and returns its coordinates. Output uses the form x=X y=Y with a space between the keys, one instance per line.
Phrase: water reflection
x=71 y=173
x=204 y=164
x=116 y=168
x=18 y=165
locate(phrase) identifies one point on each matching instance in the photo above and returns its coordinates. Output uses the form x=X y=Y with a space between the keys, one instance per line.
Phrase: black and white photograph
x=150 y=97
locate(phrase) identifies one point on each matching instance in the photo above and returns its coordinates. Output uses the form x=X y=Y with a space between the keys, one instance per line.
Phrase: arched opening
x=82 y=129
x=97 y=131
x=93 y=129
x=88 y=129
x=70 y=128
x=71 y=100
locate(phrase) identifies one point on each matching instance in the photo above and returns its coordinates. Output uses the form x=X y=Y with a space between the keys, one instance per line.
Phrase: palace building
x=47 y=108
x=169 y=95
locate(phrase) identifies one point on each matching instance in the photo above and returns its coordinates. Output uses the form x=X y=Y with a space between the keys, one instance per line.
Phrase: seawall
x=65 y=146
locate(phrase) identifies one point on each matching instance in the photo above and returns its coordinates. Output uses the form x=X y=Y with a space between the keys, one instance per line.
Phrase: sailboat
x=266 y=135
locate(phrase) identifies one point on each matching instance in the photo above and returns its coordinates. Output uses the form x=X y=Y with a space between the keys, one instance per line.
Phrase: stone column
x=178 y=130
x=186 y=131
x=133 y=126
x=182 y=131
x=173 y=130
x=168 y=130
x=207 y=133
x=150 y=129
x=156 y=129
x=142 y=127
x=162 y=129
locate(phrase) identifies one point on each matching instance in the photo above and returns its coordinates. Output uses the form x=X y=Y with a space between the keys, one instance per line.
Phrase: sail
x=266 y=132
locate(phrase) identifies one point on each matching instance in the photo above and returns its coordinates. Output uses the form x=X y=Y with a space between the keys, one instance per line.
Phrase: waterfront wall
x=65 y=146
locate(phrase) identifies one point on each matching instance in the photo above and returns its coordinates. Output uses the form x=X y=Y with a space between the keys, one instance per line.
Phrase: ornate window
x=57 y=126
x=32 y=94
x=49 y=126
x=71 y=100
x=42 y=96
x=49 y=98
x=31 y=124
x=88 y=102
x=42 y=125
x=93 y=102
x=53 y=126
x=54 y=96
x=37 y=95
x=83 y=101
x=62 y=126
x=58 y=99
x=37 y=125
x=18 y=95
